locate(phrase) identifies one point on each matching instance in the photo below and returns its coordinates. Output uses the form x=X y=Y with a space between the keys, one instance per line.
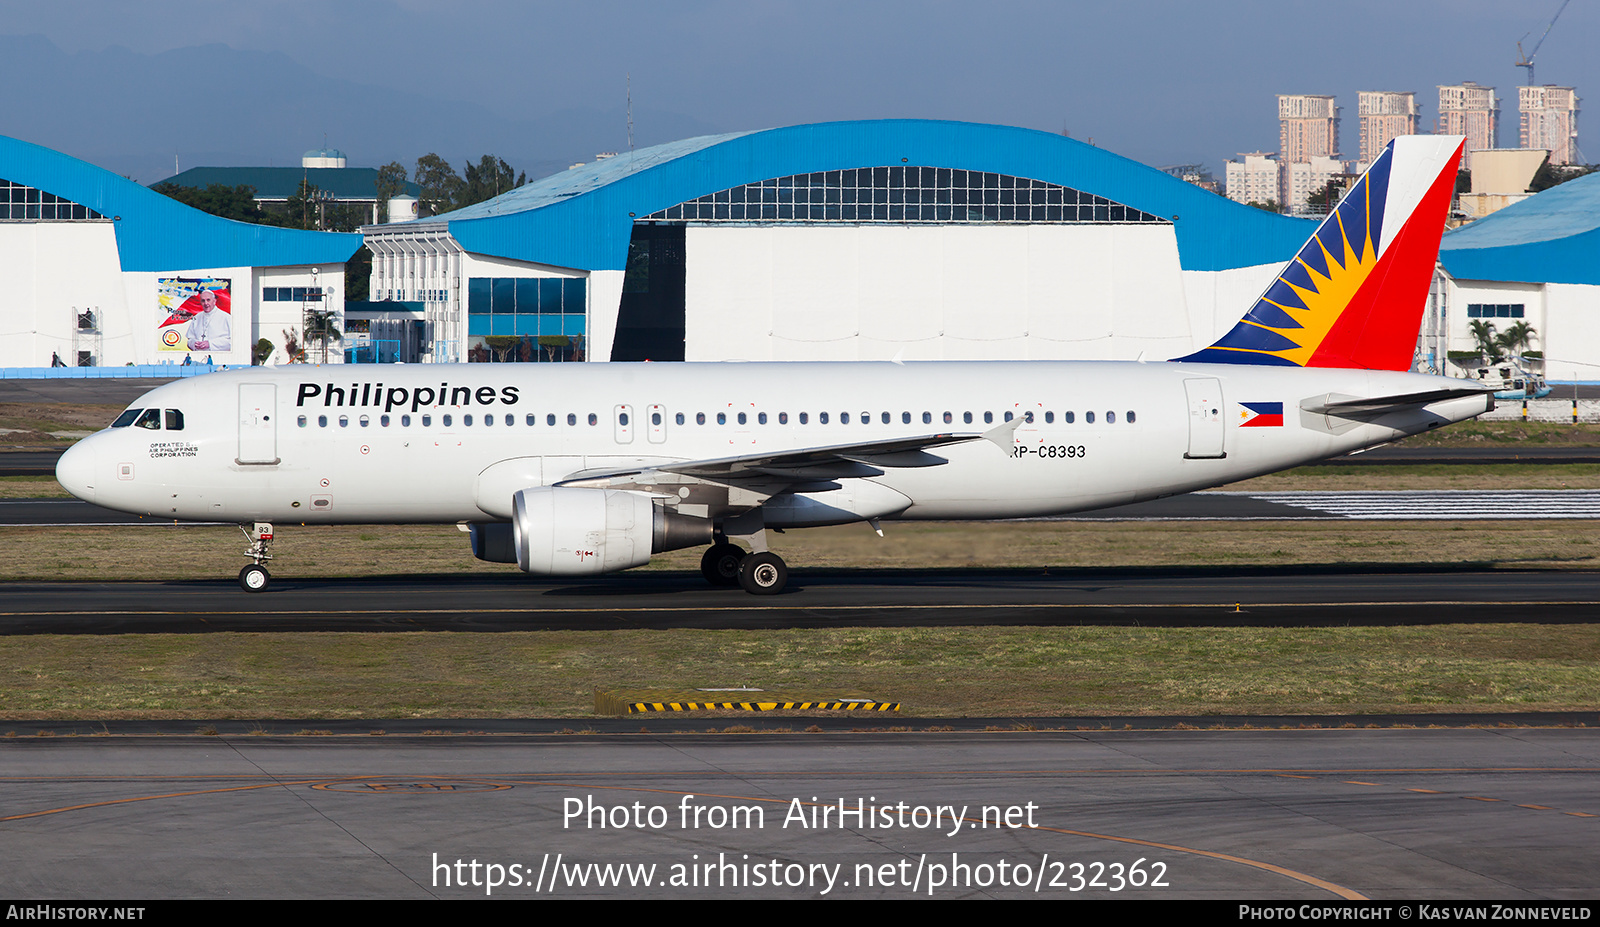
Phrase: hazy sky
x=1161 y=82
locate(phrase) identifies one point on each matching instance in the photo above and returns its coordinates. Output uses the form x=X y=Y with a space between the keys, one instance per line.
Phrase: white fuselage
x=371 y=444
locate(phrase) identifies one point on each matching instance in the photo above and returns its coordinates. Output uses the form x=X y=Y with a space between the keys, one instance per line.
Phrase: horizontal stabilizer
x=1377 y=405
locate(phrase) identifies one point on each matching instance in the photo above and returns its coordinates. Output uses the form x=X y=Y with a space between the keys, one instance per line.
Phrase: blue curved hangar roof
x=1552 y=237
x=155 y=232
x=583 y=217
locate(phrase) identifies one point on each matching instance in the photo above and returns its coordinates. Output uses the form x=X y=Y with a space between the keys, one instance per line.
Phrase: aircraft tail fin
x=1354 y=295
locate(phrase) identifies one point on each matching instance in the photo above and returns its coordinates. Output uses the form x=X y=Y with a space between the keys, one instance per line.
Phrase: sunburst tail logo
x=1354 y=294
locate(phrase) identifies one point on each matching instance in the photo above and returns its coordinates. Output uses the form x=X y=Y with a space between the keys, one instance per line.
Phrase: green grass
x=935 y=672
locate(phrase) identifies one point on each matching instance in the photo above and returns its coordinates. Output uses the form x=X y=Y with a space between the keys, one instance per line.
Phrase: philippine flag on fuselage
x=1260 y=414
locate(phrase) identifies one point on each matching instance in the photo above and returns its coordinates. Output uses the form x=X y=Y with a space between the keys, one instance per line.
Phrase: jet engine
x=563 y=531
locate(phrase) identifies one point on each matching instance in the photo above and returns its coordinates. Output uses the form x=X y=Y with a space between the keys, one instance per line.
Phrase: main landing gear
x=759 y=573
x=254 y=577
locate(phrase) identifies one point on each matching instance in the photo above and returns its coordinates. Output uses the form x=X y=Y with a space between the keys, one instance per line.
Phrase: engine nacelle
x=563 y=531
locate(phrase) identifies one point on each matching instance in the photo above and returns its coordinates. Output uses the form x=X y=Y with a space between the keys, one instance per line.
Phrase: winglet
x=1004 y=435
x=1353 y=296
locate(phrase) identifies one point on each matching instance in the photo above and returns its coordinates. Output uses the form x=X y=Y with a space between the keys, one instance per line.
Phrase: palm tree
x=320 y=328
x=1488 y=343
x=1516 y=338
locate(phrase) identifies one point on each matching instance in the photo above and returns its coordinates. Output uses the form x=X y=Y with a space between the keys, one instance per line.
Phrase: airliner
x=580 y=469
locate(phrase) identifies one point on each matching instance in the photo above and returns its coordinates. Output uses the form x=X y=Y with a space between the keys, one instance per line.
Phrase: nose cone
x=76 y=471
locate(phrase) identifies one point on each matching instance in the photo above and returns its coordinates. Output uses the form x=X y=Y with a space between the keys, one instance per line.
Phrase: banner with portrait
x=196 y=316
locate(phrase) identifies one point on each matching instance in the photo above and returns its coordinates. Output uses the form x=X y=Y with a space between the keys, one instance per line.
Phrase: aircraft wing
x=802 y=469
x=1378 y=405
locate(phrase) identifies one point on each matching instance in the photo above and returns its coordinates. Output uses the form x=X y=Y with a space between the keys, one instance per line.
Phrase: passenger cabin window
x=126 y=418
x=174 y=420
x=151 y=419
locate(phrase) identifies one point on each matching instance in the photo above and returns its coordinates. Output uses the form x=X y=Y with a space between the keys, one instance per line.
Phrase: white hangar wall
x=869 y=292
x=52 y=272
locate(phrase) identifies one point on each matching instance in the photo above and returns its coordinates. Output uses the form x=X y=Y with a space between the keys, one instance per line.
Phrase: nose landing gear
x=254 y=577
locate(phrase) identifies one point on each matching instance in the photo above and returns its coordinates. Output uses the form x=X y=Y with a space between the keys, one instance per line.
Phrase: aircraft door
x=1207 y=427
x=623 y=417
x=656 y=420
x=258 y=425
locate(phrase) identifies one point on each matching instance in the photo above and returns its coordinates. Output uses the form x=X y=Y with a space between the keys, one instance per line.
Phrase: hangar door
x=258 y=426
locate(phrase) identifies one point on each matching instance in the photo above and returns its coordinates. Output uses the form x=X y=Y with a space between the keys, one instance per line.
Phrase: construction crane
x=1526 y=60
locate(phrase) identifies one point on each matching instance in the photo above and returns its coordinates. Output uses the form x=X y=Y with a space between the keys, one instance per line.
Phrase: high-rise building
x=1385 y=115
x=1254 y=178
x=1308 y=126
x=1550 y=121
x=1303 y=178
x=1470 y=110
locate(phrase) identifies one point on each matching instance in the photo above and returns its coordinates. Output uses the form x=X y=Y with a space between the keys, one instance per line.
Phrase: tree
x=358 y=275
x=320 y=328
x=262 y=350
x=303 y=209
x=1484 y=334
x=292 y=348
x=502 y=346
x=441 y=187
x=1515 y=339
x=487 y=179
x=1269 y=205
x=553 y=344
x=1328 y=195
x=1549 y=175
x=238 y=203
x=390 y=184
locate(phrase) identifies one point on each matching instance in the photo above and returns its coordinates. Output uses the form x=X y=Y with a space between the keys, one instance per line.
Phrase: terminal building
x=839 y=241
x=100 y=271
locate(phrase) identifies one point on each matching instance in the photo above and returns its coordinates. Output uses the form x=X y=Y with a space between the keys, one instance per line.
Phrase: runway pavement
x=1270 y=816
x=815 y=599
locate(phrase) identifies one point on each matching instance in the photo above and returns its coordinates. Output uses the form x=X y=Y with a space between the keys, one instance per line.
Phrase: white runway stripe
x=1449 y=504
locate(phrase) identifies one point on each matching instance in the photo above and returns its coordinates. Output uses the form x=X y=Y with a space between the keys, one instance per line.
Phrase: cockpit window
x=174 y=420
x=151 y=419
x=126 y=418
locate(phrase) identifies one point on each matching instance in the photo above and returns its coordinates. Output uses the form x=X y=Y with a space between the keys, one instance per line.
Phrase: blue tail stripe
x=1284 y=295
x=1221 y=356
x=1254 y=338
x=1297 y=274
x=1265 y=313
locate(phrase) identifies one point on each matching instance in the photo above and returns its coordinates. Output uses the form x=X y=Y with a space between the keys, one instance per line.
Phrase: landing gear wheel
x=254 y=578
x=720 y=565
x=763 y=574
